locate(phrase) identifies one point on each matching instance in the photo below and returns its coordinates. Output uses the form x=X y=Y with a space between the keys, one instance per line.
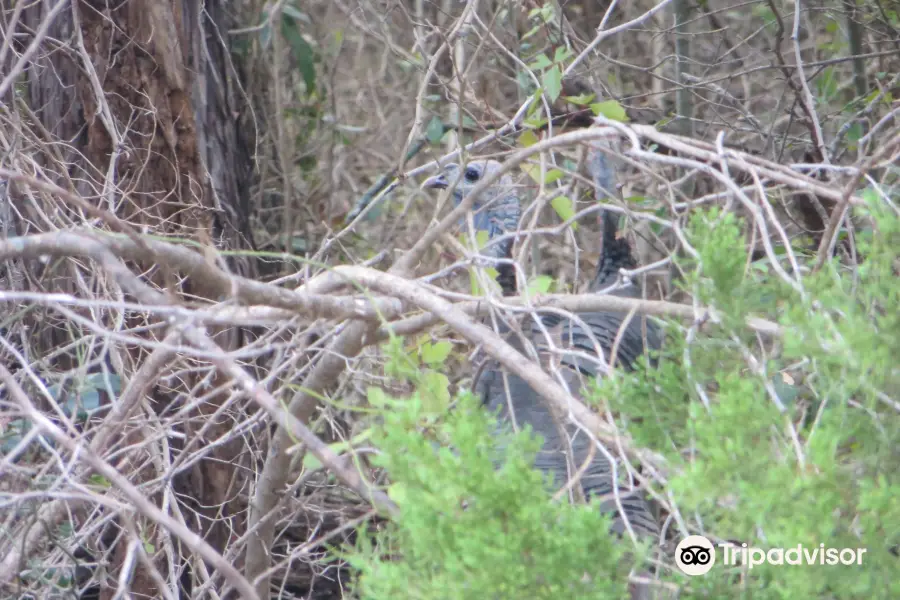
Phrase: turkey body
x=575 y=347
x=566 y=448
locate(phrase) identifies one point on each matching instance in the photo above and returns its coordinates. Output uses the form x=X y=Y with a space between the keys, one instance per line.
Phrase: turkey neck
x=506 y=271
x=506 y=277
x=615 y=253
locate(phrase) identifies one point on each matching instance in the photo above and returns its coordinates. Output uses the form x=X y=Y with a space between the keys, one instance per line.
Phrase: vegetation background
x=234 y=332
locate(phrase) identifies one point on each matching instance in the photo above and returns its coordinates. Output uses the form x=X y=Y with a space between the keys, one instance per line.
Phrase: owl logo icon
x=695 y=555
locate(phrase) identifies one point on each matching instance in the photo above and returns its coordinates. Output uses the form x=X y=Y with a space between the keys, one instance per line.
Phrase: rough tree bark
x=139 y=105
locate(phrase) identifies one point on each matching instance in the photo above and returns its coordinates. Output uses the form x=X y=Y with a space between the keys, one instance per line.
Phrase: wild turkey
x=497 y=211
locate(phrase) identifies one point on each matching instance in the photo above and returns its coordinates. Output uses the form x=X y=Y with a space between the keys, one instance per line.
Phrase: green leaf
x=540 y=285
x=528 y=138
x=610 y=109
x=532 y=31
x=827 y=85
x=99 y=480
x=786 y=392
x=434 y=389
x=473 y=280
x=547 y=12
x=540 y=63
x=855 y=132
x=581 y=99
x=312 y=463
x=265 y=34
x=482 y=238
x=536 y=121
x=564 y=208
x=534 y=171
x=561 y=54
x=436 y=354
x=377 y=397
x=553 y=175
x=302 y=51
x=535 y=108
x=435 y=130
x=870 y=196
x=295 y=14
x=552 y=81
x=398 y=493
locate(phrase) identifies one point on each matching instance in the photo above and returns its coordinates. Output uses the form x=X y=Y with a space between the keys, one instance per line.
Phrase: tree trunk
x=138 y=109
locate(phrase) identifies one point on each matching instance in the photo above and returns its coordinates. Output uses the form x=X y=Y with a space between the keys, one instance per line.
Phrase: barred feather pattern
x=583 y=349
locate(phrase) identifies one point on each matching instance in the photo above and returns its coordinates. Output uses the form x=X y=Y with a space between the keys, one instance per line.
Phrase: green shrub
x=772 y=443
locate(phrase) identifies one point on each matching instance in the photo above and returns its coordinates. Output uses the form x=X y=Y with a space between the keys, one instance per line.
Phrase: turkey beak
x=436 y=182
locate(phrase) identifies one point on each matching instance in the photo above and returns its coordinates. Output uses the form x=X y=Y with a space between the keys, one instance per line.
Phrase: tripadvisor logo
x=797 y=555
x=695 y=555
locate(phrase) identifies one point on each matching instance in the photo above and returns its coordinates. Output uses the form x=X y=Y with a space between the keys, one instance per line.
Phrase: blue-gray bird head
x=496 y=210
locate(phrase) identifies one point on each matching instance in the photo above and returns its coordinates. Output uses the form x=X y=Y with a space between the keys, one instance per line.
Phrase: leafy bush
x=771 y=443
x=467 y=530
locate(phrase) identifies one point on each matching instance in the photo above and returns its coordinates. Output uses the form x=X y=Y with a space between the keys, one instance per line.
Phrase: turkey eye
x=471 y=174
